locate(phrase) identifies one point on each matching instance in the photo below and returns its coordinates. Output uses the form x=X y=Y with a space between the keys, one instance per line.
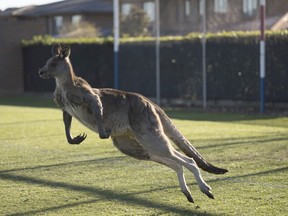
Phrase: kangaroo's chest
x=114 y=117
x=77 y=108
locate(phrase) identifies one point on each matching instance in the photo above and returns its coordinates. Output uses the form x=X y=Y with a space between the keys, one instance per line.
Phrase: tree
x=136 y=23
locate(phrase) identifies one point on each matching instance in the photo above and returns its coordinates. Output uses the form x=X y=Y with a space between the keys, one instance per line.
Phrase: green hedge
x=232 y=64
x=234 y=36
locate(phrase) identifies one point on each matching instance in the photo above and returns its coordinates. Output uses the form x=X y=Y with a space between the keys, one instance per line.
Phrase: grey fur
x=138 y=127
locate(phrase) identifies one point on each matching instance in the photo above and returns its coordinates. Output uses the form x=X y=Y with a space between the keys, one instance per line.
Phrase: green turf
x=40 y=174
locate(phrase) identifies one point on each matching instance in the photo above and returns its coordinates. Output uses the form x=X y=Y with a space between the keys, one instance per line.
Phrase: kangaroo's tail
x=174 y=134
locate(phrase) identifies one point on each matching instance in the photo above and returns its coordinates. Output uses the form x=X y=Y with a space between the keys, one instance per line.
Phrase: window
x=76 y=19
x=249 y=7
x=57 y=24
x=149 y=8
x=220 y=6
x=125 y=9
x=187 y=8
x=201 y=8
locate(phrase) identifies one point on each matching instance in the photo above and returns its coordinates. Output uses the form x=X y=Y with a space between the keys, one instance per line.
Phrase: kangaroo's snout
x=43 y=74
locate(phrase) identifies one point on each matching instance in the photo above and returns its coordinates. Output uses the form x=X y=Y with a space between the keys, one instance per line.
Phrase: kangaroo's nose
x=42 y=73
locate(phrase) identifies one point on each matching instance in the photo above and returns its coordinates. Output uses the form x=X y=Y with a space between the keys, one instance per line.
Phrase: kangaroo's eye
x=53 y=64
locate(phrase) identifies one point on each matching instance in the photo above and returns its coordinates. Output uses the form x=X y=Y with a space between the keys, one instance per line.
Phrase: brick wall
x=11 y=63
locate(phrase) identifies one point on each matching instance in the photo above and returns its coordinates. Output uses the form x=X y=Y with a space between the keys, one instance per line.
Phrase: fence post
x=262 y=55
x=116 y=42
x=203 y=6
x=157 y=23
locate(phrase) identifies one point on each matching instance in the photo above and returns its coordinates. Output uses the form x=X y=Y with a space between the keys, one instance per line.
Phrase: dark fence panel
x=137 y=68
x=93 y=62
x=180 y=64
x=232 y=68
x=277 y=71
x=34 y=57
x=232 y=71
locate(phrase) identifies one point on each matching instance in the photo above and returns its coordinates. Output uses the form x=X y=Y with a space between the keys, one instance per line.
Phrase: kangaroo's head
x=58 y=65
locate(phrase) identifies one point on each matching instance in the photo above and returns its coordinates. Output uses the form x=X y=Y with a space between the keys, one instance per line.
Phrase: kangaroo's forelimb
x=95 y=106
x=67 y=118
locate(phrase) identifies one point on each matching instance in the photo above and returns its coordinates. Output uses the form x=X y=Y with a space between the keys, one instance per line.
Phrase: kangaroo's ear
x=65 y=52
x=56 y=49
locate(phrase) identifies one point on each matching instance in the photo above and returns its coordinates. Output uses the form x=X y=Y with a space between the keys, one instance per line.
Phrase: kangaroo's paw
x=105 y=134
x=78 y=139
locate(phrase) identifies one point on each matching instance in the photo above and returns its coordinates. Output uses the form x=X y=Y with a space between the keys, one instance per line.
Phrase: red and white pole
x=116 y=42
x=262 y=55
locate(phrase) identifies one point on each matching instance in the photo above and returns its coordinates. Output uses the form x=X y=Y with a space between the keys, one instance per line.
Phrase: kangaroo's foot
x=210 y=195
x=206 y=189
x=105 y=134
x=189 y=197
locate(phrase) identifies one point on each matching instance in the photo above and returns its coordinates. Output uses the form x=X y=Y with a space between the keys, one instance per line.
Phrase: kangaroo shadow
x=244 y=140
x=106 y=194
x=99 y=192
x=216 y=116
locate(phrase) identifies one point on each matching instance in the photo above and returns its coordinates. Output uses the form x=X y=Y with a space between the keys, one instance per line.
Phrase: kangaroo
x=138 y=127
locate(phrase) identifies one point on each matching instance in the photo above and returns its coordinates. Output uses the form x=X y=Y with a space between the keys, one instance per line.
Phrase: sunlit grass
x=41 y=174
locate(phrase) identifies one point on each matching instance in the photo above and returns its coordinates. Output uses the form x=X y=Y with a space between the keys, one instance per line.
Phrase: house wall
x=11 y=63
x=275 y=7
x=102 y=21
x=174 y=22
x=173 y=19
x=218 y=21
x=235 y=15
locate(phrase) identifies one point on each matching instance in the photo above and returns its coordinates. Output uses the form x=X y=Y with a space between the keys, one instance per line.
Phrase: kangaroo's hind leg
x=191 y=165
x=158 y=146
x=149 y=133
x=180 y=174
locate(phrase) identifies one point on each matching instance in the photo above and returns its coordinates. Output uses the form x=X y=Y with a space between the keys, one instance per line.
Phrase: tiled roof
x=62 y=7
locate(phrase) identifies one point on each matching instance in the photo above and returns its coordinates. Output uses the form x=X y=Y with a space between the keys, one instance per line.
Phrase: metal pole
x=157 y=23
x=116 y=42
x=262 y=55
x=203 y=2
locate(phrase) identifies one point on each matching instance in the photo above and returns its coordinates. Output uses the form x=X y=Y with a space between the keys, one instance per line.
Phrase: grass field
x=40 y=174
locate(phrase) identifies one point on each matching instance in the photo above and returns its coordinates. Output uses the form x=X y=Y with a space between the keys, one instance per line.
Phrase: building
x=177 y=17
x=56 y=15
x=22 y=23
